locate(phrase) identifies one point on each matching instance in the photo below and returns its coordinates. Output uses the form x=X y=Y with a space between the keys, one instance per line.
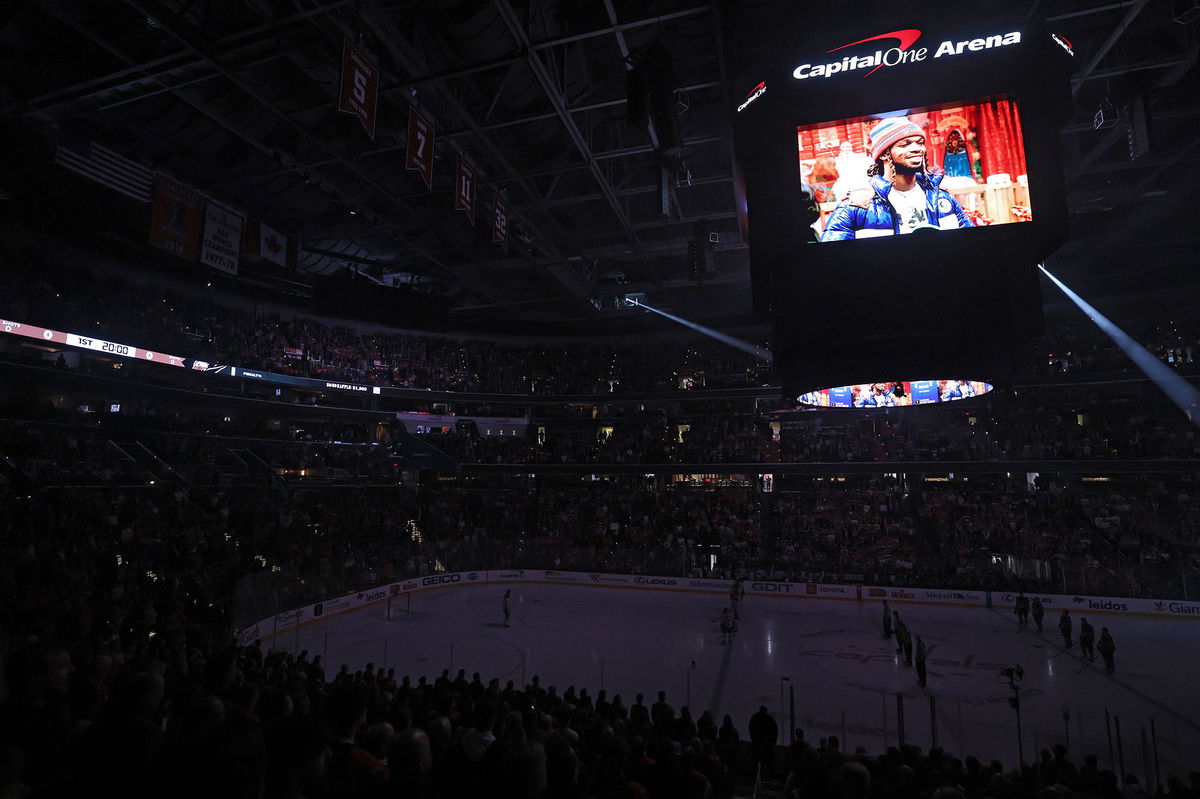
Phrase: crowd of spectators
x=140 y=583
x=1012 y=426
x=127 y=554
x=194 y=325
x=173 y=718
x=75 y=299
x=119 y=680
x=1135 y=537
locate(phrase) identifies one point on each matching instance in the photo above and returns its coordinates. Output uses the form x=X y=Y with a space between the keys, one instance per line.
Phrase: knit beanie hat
x=890 y=131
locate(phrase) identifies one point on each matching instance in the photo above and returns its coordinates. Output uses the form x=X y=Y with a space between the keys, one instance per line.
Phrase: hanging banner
x=222 y=239
x=175 y=226
x=500 y=222
x=420 y=146
x=464 y=189
x=360 y=87
x=273 y=245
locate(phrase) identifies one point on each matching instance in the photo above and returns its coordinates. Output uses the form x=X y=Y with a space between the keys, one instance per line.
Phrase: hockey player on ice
x=1064 y=627
x=1087 y=639
x=1107 y=647
x=1022 y=611
x=728 y=626
x=736 y=592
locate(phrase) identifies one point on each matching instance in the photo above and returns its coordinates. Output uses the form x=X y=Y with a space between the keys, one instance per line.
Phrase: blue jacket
x=848 y=221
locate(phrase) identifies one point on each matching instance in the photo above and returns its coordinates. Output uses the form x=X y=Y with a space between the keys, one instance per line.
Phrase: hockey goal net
x=398 y=605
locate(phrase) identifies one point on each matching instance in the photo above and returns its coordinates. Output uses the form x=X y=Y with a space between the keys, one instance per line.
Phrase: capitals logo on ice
x=902 y=53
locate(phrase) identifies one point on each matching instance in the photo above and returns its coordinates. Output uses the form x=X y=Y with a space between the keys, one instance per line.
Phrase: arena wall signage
x=901 y=54
x=755 y=93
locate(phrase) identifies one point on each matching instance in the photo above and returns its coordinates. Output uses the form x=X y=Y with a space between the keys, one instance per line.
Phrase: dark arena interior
x=502 y=398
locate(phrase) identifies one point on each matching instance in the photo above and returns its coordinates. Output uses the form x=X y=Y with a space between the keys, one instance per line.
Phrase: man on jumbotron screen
x=903 y=197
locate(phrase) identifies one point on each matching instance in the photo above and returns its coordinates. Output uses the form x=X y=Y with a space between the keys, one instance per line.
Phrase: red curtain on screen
x=995 y=145
x=1000 y=144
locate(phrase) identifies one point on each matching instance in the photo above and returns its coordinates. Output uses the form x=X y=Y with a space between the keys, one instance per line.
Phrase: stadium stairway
x=141 y=458
x=258 y=469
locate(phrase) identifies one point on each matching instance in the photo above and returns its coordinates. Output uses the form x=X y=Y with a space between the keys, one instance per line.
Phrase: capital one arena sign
x=904 y=52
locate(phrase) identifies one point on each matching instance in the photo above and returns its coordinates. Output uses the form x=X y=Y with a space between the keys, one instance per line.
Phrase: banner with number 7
x=420 y=146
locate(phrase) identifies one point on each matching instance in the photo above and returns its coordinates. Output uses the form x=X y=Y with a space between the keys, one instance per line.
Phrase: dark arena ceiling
x=237 y=99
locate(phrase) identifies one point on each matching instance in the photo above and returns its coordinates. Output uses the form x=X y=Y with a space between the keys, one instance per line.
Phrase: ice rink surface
x=845 y=675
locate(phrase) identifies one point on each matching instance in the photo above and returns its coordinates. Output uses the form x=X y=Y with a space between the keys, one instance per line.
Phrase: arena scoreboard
x=901 y=182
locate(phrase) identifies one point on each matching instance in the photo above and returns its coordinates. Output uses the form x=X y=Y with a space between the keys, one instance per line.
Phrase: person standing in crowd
x=908 y=646
x=1022 y=610
x=507 y=606
x=1039 y=612
x=921 y=656
x=1087 y=637
x=764 y=734
x=639 y=714
x=736 y=592
x=1064 y=627
x=898 y=623
x=727 y=742
x=887 y=621
x=1107 y=647
x=662 y=715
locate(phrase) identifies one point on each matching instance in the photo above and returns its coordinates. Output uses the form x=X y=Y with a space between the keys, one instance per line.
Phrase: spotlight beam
x=736 y=343
x=1185 y=396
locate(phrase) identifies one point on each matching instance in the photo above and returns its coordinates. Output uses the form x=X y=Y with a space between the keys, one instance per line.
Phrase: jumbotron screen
x=896 y=394
x=945 y=167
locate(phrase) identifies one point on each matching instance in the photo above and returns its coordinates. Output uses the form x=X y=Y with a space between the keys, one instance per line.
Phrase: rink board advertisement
x=1000 y=601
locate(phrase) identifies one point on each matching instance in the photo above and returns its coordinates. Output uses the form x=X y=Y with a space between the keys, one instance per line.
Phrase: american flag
x=94 y=161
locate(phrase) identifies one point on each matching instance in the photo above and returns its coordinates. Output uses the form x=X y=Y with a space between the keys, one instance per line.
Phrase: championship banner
x=420 y=146
x=222 y=239
x=175 y=226
x=465 y=183
x=500 y=222
x=360 y=87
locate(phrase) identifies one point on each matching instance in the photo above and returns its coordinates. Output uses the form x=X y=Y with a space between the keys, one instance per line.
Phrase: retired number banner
x=464 y=189
x=420 y=146
x=360 y=87
x=500 y=222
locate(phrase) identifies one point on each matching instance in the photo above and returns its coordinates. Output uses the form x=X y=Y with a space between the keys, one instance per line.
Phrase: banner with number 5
x=420 y=146
x=360 y=87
